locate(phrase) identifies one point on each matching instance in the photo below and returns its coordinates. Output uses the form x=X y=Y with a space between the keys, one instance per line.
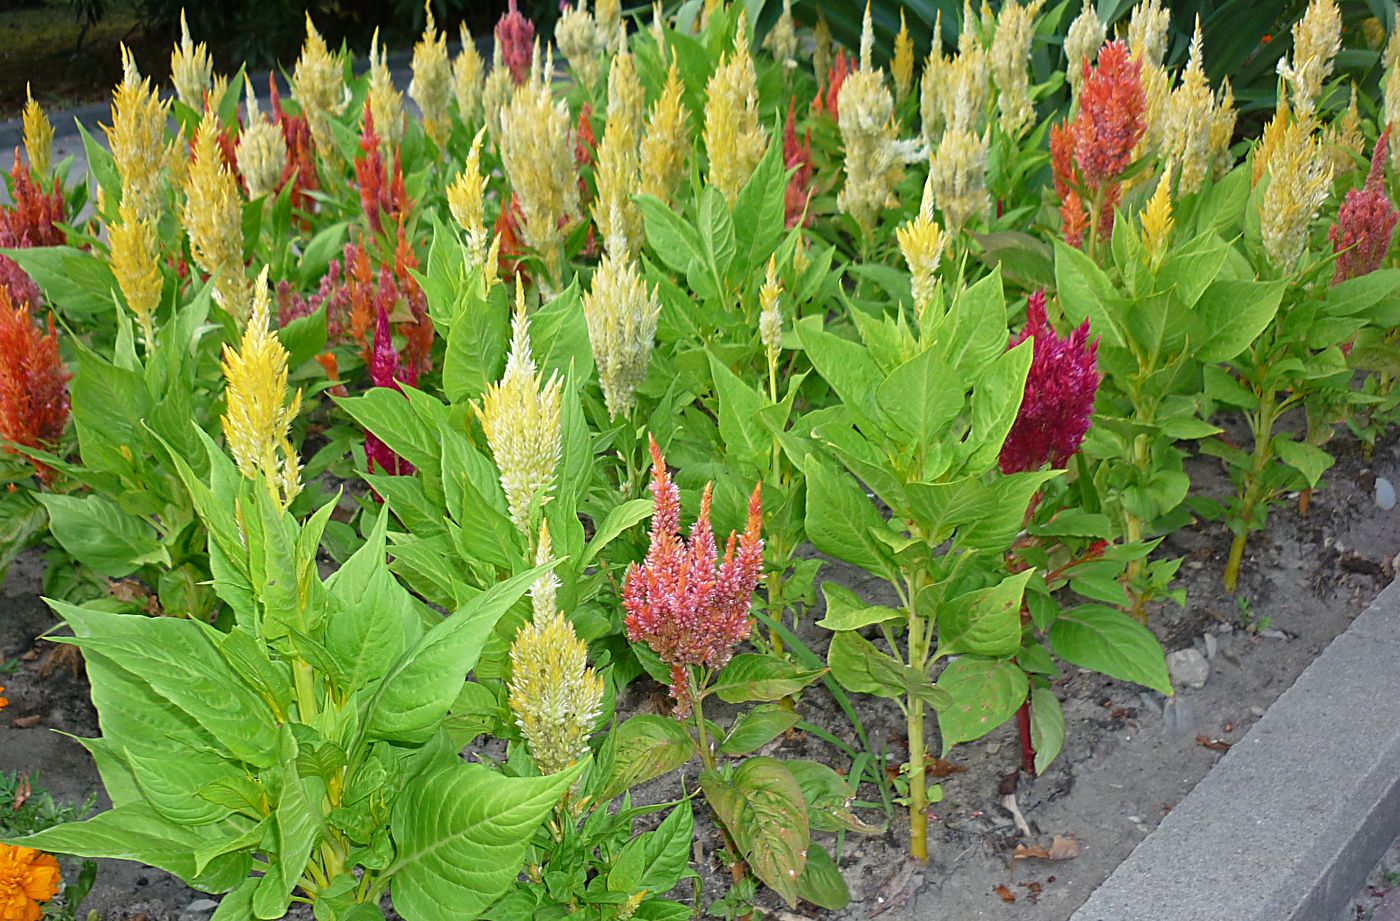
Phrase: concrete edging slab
x=1290 y=821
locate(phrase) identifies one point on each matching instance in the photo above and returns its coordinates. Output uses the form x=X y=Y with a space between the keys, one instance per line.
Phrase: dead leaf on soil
x=1215 y=745
x=939 y=768
x=27 y=722
x=1006 y=895
x=1062 y=847
x=61 y=656
x=1008 y=803
x=899 y=888
x=22 y=791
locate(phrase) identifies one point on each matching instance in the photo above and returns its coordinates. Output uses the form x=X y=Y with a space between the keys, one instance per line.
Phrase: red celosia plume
x=300 y=168
x=827 y=100
x=382 y=195
x=1365 y=222
x=1059 y=396
x=689 y=607
x=32 y=220
x=798 y=158
x=33 y=383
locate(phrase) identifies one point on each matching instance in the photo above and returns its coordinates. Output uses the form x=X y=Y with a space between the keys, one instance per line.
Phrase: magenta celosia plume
x=385 y=370
x=515 y=36
x=1365 y=222
x=1059 y=397
x=683 y=603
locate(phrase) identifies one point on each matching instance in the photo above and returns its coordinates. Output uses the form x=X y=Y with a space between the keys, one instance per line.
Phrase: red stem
x=1023 y=722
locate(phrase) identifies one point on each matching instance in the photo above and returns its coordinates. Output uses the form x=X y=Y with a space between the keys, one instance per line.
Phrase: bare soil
x=1129 y=756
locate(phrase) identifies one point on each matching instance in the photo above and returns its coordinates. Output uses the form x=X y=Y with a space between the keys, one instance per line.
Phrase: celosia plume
x=828 y=99
x=1082 y=43
x=213 y=218
x=258 y=418
x=468 y=71
x=466 y=200
x=300 y=166
x=385 y=370
x=515 y=36
x=921 y=241
x=191 y=69
x=136 y=265
x=382 y=196
x=1365 y=222
x=688 y=606
x=1110 y=120
x=576 y=34
x=621 y=316
x=318 y=84
x=520 y=416
x=262 y=150
x=1009 y=56
x=37 y=135
x=1157 y=218
x=666 y=142
x=797 y=158
x=1300 y=178
x=734 y=139
x=555 y=697
x=1059 y=397
x=385 y=100
x=770 y=315
x=33 y=383
x=781 y=40
x=32 y=219
x=431 y=86
x=872 y=164
x=902 y=62
x=1317 y=38
x=137 y=139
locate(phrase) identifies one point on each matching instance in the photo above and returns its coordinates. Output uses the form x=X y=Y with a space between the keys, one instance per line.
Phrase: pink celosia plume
x=515 y=35
x=688 y=608
x=1365 y=222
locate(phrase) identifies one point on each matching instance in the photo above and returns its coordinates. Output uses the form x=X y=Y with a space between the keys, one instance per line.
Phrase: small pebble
x=1272 y=634
x=201 y=906
x=1212 y=646
x=1256 y=712
x=1385 y=494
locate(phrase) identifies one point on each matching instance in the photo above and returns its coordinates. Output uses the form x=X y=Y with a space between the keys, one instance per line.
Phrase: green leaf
x=859 y=667
x=759 y=212
x=716 y=234
x=919 y=399
x=763 y=808
x=79 y=284
x=619 y=519
x=476 y=348
x=1086 y=293
x=985 y=622
x=418 y=691
x=1047 y=727
x=647 y=747
x=655 y=861
x=1233 y=313
x=752 y=676
x=756 y=728
x=670 y=237
x=97 y=533
x=840 y=520
x=461 y=833
x=739 y=404
x=828 y=797
x=995 y=403
x=846 y=611
x=821 y=882
x=1309 y=460
x=845 y=365
x=985 y=693
x=1112 y=643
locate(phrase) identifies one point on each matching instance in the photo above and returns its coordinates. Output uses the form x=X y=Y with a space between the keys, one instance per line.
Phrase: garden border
x=1289 y=823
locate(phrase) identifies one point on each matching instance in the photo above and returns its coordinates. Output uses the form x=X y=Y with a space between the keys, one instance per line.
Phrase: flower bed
x=370 y=411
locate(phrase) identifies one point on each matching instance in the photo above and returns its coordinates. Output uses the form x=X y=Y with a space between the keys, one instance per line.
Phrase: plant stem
x=918 y=800
x=1023 y=723
x=1141 y=460
x=707 y=758
x=1263 y=450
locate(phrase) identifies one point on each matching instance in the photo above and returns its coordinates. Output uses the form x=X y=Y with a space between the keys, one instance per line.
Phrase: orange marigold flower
x=27 y=877
x=4 y=701
x=33 y=383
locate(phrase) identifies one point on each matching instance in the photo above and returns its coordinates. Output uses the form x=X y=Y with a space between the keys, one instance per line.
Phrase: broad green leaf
x=669 y=236
x=1047 y=727
x=1233 y=313
x=843 y=364
x=995 y=402
x=752 y=676
x=985 y=693
x=619 y=519
x=846 y=611
x=461 y=833
x=476 y=348
x=739 y=404
x=821 y=882
x=840 y=520
x=647 y=747
x=859 y=667
x=418 y=690
x=1112 y=643
x=1086 y=293
x=763 y=808
x=985 y=622
x=919 y=398
x=78 y=283
x=1309 y=460
x=756 y=728
x=655 y=861
x=97 y=533
x=828 y=797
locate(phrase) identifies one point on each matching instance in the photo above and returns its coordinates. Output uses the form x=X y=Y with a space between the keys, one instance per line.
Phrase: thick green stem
x=1263 y=451
x=918 y=800
x=1142 y=460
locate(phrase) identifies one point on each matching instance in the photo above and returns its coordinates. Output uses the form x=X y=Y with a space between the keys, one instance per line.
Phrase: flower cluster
x=797 y=158
x=666 y=144
x=319 y=86
x=468 y=73
x=261 y=153
x=213 y=218
x=382 y=195
x=137 y=139
x=27 y=877
x=431 y=86
x=257 y=423
x=621 y=316
x=520 y=416
x=33 y=383
x=1089 y=153
x=191 y=68
x=515 y=37
x=921 y=241
x=555 y=697
x=300 y=166
x=37 y=135
x=384 y=100
x=828 y=98
x=1059 y=396
x=136 y=265
x=32 y=220
x=1365 y=222
x=734 y=139
x=688 y=606
x=1300 y=178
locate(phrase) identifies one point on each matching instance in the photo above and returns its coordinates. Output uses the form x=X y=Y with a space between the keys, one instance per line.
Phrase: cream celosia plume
x=1317 y=38
x=1300 y=178
x=537 y=150
x=576 y=33
x=318 y=84
x=734 y=139
x=1009 y=56
x=1082 y=42
x=431 y=86
x=666 y=142
x=213 y=218
x=191 y=69
x=520 y=416
x=621 y=316
x=385 y=100
x=553 y=694
x=262 y=150
x=467 y=75
x=137 y=139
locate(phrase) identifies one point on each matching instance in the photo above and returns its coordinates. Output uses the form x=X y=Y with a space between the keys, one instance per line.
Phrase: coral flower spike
x=681 y=601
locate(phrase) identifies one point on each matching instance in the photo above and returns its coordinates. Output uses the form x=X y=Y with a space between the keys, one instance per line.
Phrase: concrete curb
x=1289 y=823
